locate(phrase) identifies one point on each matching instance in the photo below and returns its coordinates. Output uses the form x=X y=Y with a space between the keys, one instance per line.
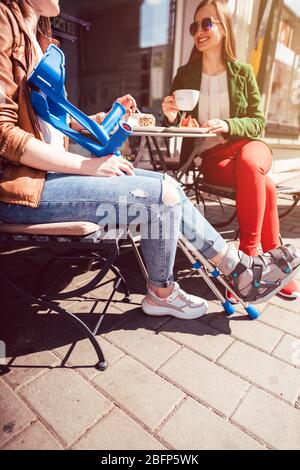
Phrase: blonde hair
x=44 y=25
x=225 y=17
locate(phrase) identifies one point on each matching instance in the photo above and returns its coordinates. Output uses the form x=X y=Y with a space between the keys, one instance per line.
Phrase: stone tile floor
x=213 y=383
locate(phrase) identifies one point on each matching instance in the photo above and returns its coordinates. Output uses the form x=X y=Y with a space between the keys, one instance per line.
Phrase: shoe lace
x=182 y=295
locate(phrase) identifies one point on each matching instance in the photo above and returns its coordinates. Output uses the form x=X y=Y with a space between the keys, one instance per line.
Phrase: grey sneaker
x=179 y=304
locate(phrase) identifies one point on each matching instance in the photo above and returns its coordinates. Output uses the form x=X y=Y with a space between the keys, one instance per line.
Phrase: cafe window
x=286 y=33
x=128 y=48
x=283 y=116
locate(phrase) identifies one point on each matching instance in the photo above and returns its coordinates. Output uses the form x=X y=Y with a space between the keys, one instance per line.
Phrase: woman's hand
x=43 y=156
x=216 y=126
x=170 y=109
x=129 y=104
x=109 y=166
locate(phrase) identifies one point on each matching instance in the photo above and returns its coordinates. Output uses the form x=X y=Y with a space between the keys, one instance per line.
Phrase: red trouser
x=243 y=165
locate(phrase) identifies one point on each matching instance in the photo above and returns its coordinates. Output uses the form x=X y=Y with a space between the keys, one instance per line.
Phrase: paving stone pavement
x=212 y=383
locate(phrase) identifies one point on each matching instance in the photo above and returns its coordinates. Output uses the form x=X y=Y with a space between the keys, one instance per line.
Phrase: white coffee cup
x=186 y=100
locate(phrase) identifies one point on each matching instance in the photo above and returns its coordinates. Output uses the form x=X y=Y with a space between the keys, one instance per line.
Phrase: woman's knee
x=170 y=194
x=255 y=157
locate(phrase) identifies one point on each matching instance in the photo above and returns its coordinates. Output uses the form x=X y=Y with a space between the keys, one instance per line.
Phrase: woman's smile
x=202 y=40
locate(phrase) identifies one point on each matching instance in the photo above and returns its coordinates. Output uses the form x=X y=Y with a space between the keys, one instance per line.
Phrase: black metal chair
x=293 y=193
x=198 y=187
x=75 y=242
x=161 y=160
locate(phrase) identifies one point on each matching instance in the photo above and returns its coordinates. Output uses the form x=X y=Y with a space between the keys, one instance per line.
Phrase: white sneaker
x=179 y=304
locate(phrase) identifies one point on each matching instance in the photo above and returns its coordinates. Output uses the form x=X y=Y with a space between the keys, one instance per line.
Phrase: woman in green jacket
x=230 y=106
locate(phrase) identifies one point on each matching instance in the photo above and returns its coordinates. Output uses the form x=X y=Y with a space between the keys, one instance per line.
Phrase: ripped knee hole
x=170 y=195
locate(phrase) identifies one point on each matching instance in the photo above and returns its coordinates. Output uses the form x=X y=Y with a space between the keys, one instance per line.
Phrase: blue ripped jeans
x=125 y=200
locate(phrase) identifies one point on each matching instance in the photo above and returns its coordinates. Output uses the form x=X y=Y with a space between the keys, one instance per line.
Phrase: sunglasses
x=206 y=25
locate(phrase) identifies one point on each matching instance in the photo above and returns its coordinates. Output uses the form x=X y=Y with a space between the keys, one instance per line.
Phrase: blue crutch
x=207 y=271
x=48 y=98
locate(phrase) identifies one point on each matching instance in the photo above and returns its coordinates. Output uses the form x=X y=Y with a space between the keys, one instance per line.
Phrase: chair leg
x=91 y=284
x=121 y=279
x=96 y=280
x=296 y=198
x=228 y=222
x=47 y=304
x=162 y=162
x=102 y=364
x=138 y=257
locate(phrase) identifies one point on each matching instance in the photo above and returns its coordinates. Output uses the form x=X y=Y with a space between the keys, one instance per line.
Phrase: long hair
x=44 y=25
x=225 y=17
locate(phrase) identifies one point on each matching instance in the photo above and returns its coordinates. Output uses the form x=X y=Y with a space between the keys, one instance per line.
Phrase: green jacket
x=246 y=115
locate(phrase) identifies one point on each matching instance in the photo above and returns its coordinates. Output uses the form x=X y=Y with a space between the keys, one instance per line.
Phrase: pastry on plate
x=142 y=120
x=189 y=122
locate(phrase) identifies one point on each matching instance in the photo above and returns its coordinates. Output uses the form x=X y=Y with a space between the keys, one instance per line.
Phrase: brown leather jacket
x=19 y=184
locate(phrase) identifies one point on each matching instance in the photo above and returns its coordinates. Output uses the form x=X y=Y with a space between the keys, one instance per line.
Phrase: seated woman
x=230 y=106
x=41 y=182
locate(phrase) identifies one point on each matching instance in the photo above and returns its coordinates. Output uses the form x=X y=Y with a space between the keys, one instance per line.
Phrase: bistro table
x=154 y=133
x=165 y=132
x=168 y=133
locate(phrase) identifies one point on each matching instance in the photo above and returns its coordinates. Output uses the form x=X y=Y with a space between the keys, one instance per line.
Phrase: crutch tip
x=252 y=312
x=229 y=308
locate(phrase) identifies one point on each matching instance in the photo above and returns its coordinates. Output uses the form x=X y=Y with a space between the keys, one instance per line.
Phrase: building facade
x=135 y=46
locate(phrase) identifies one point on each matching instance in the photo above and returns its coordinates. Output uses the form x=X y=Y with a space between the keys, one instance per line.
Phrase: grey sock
x=230 y=260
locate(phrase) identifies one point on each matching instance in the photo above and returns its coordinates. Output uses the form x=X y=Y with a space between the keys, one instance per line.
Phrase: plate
x=188 y=130
x=148 y=129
